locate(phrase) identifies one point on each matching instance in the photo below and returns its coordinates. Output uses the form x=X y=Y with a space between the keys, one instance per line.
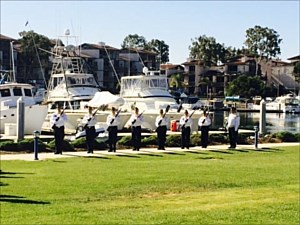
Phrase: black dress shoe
x=56 y=153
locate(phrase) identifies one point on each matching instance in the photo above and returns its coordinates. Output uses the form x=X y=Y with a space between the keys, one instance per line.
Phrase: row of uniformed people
x=136 y=120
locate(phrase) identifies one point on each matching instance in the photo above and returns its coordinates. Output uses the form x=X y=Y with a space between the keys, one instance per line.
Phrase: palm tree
x=176 y=81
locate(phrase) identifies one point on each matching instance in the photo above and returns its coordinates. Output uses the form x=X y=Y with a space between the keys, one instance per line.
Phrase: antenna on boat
x=140 y=48
x=102 y=44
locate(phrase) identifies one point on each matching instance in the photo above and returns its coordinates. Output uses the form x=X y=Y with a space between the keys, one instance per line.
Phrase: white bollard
x=20 y=119
x=262 y=117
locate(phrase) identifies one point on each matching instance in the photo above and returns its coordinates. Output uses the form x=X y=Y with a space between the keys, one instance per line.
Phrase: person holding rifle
x=89 y=122
x=161 y=124
x=136 y=120
x=57 y=122
x=204 y=123
x=186 y=123
x=113 y=121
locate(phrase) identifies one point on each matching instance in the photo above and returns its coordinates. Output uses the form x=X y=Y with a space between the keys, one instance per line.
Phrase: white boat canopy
x=106 y=98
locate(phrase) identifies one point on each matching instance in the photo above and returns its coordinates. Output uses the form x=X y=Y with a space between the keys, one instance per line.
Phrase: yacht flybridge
x=147 y=92
x=69 y=81
x=73 y=87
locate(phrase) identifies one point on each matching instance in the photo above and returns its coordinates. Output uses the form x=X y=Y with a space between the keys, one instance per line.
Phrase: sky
x=177 y=23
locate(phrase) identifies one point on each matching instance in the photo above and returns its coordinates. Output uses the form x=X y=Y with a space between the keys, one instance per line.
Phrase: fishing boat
x=10 y=93
x=73 y=87
x=283 y=104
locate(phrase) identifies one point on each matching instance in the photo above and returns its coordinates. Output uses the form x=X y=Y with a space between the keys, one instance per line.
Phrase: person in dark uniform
x=112 y=121
x=186 y=125
x=89 y=122
x=161 y=124
x=204 y=123
x=57 y=122
x=136 y=120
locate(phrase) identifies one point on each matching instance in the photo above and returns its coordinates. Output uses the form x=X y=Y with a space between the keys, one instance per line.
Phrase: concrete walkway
x=105 y=153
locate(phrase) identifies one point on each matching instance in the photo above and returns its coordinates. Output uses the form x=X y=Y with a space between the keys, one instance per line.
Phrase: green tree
x=208 y=50
x=176 y=81
x=134 y=41
x=30 y=54
x=263 y=42
x=161 y=48
x=296 y=72
x=246 y=86
x=155 y=45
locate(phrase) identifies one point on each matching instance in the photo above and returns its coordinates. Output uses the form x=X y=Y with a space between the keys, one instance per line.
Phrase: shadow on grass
x=172 y=153
x=3 y=184
x=220 y=151
x=11 y=173
x=149 y=154
x=19 y=199
x=238 y=150
x=94 y=156
x=268 y=150
x=209 y=158
x=127 y=155
x=2 y=172
x=195 y=152
x=58 y=161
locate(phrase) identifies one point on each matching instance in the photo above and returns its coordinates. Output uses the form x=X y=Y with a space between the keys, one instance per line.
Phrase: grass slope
x=195 y=187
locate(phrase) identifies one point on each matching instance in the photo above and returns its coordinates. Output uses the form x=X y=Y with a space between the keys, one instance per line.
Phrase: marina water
x=275 y=122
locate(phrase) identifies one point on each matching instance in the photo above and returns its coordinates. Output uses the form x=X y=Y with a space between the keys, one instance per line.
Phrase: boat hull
x=34 y=118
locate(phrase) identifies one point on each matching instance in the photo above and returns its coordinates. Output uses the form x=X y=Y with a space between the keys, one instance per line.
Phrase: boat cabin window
x=27 y=92
x=86 y=80
x=4 y=92
x=144 y=84
x=75 y=104
x=156 y=83
x=17 y=91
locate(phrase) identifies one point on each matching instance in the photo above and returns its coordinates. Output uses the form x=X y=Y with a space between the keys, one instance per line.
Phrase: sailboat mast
x=13 y=60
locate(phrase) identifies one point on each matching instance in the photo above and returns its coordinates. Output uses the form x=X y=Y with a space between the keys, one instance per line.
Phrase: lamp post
x=36 y=135
x=255 y=137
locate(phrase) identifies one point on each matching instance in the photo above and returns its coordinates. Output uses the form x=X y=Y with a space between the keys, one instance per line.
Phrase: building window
x=192 y=68
x=232 y=68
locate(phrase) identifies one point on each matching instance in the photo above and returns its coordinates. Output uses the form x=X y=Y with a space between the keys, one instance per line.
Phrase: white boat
x=73 y=87
x=286 y=104
x=34 y=114
x=150 y=93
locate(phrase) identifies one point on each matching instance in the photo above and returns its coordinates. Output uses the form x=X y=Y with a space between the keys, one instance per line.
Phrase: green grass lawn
x=195 y=187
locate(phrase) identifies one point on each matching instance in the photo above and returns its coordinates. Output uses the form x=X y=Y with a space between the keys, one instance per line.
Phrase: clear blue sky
x=174 y=22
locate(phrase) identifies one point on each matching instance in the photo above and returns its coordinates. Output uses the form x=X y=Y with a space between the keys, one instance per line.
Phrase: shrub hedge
x=171 y=141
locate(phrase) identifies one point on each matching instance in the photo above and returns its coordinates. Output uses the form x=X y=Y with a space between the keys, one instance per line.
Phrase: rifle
x=188 y=118
x=89 y=119
x=179 y=108
x=111 y=122
x=133 y=122
x=57 y=118
x=167 y=110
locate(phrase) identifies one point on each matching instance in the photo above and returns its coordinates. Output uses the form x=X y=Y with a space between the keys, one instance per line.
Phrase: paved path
x=104 y=153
